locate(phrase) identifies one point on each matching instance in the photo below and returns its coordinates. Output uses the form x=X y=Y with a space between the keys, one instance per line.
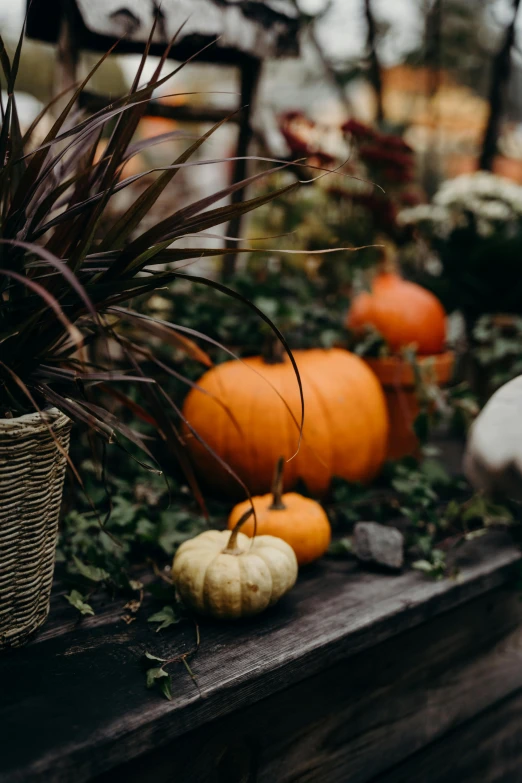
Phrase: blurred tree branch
x=501 y=71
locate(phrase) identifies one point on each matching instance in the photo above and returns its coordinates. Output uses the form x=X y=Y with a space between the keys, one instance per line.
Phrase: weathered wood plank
x=73 y=703
x=363 y=715
x=486 y=750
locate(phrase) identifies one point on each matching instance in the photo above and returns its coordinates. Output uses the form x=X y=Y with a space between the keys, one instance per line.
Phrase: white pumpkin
x=493 y=459
x=229 y=575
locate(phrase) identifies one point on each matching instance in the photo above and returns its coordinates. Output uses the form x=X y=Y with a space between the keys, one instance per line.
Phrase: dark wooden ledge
x=73 y=703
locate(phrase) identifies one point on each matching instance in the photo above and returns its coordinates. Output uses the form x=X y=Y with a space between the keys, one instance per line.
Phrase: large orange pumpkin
x=403 y=313
x=345 y=430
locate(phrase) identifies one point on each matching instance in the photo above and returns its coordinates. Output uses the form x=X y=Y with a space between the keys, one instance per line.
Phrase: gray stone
x=380 y=544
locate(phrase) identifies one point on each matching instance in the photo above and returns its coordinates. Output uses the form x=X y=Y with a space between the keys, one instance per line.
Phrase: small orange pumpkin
x=403 y=313
x=243 y=420
x=299 y=521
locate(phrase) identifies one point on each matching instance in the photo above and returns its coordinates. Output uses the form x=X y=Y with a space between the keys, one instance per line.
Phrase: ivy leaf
x=148 y=660
x=435 y=472
x=166 y=617
x=482 y=531
x=423 y=565
x=92 y=573
x=498 y=515
x=156 y=675
x=340 y=548
x=476 y=509
x=165 y=687
x=76 y=599
x=435 y=567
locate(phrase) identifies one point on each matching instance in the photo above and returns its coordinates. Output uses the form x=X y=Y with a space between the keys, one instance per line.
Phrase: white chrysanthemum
x=422 y=213
x=471 y=191
x=484 y=228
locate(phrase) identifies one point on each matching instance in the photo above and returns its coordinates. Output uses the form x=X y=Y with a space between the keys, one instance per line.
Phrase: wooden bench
x=354 y=677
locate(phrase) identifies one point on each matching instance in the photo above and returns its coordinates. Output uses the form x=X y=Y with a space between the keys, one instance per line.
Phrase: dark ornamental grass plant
x=68 y=276
x=65 y=288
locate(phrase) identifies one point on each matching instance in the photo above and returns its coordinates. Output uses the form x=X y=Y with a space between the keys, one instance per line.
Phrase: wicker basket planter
x=32 y=471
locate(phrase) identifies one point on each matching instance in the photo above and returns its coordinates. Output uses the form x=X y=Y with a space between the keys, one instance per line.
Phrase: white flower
x=422 y=213
x=484 y=228
x=470 y=192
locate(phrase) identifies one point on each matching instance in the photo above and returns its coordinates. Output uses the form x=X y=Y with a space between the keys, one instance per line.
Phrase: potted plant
x=64 y=284
x=410 y=324
x=474 y=225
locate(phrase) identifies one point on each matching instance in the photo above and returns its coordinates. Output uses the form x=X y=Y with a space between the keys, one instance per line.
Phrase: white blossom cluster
x=489 y=202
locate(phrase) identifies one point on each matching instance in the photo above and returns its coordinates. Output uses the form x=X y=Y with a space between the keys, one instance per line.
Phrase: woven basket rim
x=34 y=420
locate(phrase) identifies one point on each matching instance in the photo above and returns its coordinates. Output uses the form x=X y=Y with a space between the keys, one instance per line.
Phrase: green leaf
x=76 y=599
x=435 y=472
x=423 y=565
x=165 y=617
x=155 y=674
x=340 y=548
x=482 y=531
x=165 y=686
x=475 y=509
x=147 y=656
x=92 y=573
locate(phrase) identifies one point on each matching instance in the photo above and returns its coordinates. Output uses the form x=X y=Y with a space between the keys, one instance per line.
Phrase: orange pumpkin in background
x=403 y=313
x=345 y=429
x=299 y=521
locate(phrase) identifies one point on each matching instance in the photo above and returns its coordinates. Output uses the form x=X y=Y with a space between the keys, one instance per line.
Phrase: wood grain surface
x=73 y=703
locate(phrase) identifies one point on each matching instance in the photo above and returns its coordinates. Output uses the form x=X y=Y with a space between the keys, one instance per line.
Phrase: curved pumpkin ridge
x=219 y=584
x=364 y=453
x=251 y=602
x=323 y=463
x=359 y=439
x=276 y=417
x=293 y=469
x=290 y=429
x=234 y=441
x=248 y=465
x=215 y=384
x=218 y=438
x=350 y=436
x=377 y=415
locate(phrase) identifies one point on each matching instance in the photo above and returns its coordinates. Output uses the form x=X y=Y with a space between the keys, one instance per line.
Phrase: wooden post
x=250 y=72
x=375 y=67
x=433 y=62
x=67 y=54
x=499 y=78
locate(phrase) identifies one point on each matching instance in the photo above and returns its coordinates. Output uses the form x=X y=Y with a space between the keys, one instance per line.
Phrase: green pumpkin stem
x=232 y=547
x=277 y=487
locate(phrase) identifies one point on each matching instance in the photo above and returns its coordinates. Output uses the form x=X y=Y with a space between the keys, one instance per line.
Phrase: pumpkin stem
x=388 y=261
x=273 y=352
x=232 y=547
x=277 y=487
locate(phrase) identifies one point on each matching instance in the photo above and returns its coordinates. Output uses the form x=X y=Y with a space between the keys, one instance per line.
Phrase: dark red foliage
x=410 y=198
x=293 y=126
x=358 y=129
x=389 y=157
